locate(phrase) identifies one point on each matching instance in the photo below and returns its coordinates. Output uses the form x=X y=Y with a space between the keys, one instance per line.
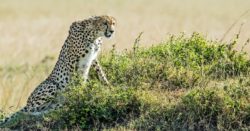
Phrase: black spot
x=87 y=51
x=25 y=109
x=43 y=99
x=83 y=55
x=42 y=107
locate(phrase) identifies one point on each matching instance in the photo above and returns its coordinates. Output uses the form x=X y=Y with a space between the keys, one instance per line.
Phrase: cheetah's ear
x=97 y=20
x=71 y=28
x=76 y=26
x=93 y=17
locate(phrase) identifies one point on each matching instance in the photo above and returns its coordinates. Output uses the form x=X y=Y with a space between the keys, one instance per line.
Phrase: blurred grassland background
x=32 y=32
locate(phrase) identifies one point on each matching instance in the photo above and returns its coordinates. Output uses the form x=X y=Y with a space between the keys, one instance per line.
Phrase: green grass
x=183 y=83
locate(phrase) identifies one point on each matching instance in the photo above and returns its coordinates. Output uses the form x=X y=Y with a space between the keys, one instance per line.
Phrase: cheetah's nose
x=111 y=31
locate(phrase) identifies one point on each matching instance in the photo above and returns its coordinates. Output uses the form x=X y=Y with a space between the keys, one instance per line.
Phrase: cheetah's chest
x=86 y=61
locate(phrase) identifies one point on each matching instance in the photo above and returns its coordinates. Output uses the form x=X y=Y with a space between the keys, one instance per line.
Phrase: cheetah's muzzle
x=109 y=33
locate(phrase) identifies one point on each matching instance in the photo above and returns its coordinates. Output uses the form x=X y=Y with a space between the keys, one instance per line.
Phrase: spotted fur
x=78 y=54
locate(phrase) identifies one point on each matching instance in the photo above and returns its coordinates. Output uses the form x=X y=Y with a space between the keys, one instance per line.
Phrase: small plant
x=1 y=115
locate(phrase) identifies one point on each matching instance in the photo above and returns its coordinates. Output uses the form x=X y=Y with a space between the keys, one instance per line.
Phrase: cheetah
x=78 y=54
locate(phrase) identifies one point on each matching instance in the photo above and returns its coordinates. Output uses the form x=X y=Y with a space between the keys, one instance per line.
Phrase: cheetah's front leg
x=99 y=71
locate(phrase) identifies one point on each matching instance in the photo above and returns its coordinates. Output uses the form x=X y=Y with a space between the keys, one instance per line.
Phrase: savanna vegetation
x=184 y=83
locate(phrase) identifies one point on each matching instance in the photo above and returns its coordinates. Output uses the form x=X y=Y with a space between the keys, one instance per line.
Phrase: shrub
x=94 y=105
x=180 y=62
x=211 y=108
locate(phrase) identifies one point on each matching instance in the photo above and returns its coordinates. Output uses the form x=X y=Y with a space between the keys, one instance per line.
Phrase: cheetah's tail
x=11 y=120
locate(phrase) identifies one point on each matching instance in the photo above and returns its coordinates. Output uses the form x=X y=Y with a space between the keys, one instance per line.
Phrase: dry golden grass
x=31 y=30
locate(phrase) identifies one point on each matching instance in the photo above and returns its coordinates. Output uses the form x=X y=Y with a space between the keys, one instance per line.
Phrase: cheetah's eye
x=105 y=23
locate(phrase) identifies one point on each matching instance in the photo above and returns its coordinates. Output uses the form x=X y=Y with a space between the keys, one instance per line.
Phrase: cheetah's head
x=104 y=25
x=94 y=27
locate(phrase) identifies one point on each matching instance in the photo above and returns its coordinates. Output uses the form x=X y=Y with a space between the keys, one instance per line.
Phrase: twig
x=137 y=41
x=246 y=43
x=235 y=22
